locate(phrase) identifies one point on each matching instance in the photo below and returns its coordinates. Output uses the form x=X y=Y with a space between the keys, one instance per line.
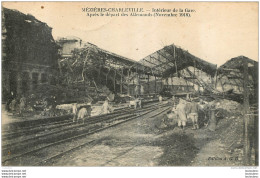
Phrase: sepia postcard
x=129 y=84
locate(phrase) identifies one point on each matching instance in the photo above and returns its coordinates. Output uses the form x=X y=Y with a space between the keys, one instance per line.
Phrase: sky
x=215 y=32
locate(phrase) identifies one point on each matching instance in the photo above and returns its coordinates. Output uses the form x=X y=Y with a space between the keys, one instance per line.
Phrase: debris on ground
x=227 y=105
x=226 y=139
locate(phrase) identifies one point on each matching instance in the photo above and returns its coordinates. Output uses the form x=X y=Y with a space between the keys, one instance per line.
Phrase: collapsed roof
x=230 y=75
x=27 y=40
x=236 y=65
x=115 y=57
x=115 y=60
x=170 y=59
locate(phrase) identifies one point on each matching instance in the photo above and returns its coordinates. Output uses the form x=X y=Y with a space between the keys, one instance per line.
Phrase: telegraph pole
x=246 y=149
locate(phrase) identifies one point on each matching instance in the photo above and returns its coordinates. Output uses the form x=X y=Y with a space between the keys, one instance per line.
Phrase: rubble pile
x=227 y=105
x=232 y=137
x=234 y=132
x=230 y=126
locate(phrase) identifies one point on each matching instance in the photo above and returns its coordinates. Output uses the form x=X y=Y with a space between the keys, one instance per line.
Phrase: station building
x=29 y=53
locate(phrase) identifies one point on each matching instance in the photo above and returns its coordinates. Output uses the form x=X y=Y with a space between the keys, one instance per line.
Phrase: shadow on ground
x=178 y=149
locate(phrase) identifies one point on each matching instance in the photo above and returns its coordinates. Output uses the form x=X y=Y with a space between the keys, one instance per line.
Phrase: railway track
x=20 y=150
x=52 y=134
x=26 y=125
x=41 y=127
x=90 y=143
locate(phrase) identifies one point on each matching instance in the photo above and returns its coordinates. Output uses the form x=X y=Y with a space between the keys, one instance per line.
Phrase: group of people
x=187 y=110
x=21 y=104
x=136 y=102
x=16 y=104
x=83 y=112
x=184 y=111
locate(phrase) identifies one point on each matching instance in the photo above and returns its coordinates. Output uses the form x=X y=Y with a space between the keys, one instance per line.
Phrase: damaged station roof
x=112 y=60
x=112 y=56
x=230 y=75
x=168 y=62
x=170 y=59
x=236 y=64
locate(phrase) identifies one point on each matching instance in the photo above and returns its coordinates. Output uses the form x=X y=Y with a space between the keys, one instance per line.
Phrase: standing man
x=22 y=105
x=160 y=99
x=181 y=114
x=74 y=111
x=9 y=100
x=13 y=106
x=89 y=109
x=139 y=102
x=106 y=108
x=193 y=115
x=53 y=105
x=174 y=101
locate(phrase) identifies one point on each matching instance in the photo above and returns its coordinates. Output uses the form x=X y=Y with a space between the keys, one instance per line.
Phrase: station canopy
x=235 y=65
x=115 y=60
x=166 y=61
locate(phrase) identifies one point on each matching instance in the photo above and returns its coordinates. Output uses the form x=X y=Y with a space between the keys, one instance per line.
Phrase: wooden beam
x=216 y=81
x=192 y=75
x=148 y=85
x=221 y=84
x=128 y=74
x=155 y=84
x=165 y=57
x=107 y=75
x=158 y=59
x=162 y=63
x=232 y=86
x=121 y=84
x=150 y=62
x=194 y=67
x=175 y=61
x=237 y=85
x=171 y=84
x=115 y=81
